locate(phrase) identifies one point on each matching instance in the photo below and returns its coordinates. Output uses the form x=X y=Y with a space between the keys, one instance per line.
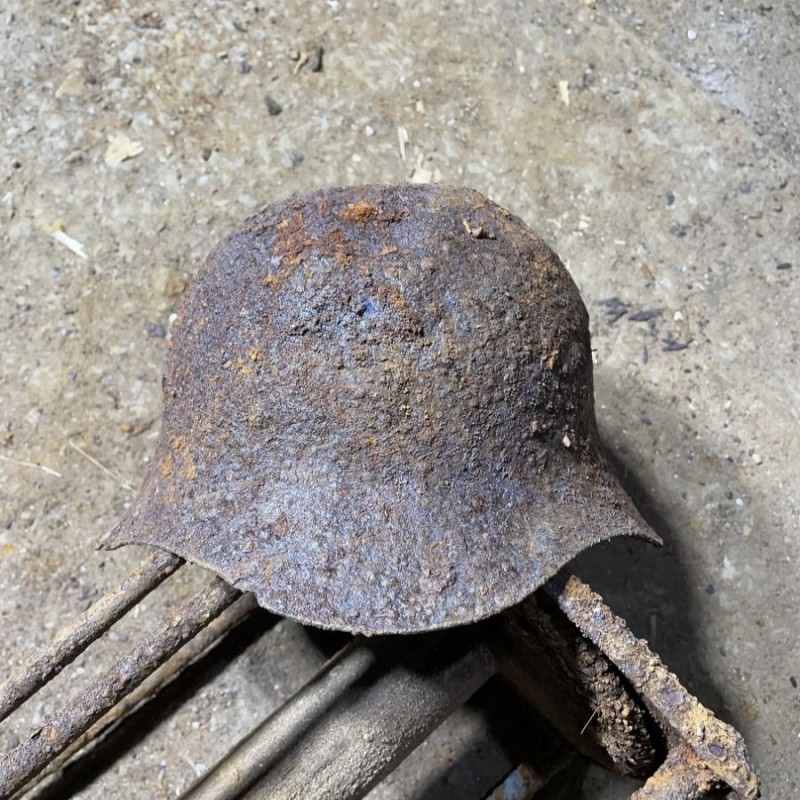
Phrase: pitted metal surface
x=379 y=414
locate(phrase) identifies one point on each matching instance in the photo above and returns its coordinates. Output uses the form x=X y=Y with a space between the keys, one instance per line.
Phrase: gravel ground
x=655 y=148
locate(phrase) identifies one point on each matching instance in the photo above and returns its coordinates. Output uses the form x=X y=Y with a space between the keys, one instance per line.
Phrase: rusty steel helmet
x=379 y=416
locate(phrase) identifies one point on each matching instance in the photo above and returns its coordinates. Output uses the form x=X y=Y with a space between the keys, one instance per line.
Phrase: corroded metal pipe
x=89 y=626
x=145 y=694
x=363 y=713
x=61 y=729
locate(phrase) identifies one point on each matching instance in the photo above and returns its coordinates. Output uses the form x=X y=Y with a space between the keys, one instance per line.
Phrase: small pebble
x=670 y=198
x=757 y=458
x=692 y=35
x=291 y=160
x=273 y=106
x=151 y=19
x=315 y=60
x=244 y=68
x=710 y=589
x=793 y=681
x=156 y=330
x=784 y=265
x=644 y=316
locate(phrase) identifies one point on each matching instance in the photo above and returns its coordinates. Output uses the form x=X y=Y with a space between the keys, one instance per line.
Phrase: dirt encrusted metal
x=378 y=414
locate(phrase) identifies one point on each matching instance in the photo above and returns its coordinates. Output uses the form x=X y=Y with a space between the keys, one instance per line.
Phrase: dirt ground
x=653 y=145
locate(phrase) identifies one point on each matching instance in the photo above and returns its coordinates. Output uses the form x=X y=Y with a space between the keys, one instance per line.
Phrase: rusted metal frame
x=60 y=730
x=362 y=714
x=165 y=675
x=682 y=776
x=718 y=747
x=73 y=639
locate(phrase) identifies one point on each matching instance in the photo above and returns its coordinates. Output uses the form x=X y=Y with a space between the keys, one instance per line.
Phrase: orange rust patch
x=361 y=211
x=281 y=526
x=180 y=451
x=292 y=240
x=293 y=244
x=178 y=443
x=167 y=465
x=340 y=246
x=389 y=250
x=243 y=367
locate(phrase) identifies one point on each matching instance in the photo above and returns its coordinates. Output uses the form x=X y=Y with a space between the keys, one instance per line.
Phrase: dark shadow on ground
x=648 y=586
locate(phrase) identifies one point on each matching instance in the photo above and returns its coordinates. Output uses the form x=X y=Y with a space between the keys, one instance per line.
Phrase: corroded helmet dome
x=378 y=414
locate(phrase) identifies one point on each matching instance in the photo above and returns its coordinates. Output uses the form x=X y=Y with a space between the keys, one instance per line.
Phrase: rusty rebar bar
x=716 y=744
x=89 y=626
x=61 y=729
x=165 y=675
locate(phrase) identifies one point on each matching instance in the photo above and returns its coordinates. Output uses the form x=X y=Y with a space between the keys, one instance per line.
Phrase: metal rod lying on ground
x=61 y=729
x=72 y=640
x=363 y=713
x=169 y=672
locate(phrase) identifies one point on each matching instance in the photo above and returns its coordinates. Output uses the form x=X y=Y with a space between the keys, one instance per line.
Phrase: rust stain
x=364 y=211
x=243 y=367
x=167 y=466
x=552 y=356
x=292 y=239
x=361 y=211
x=339 y=245
x=185 y=457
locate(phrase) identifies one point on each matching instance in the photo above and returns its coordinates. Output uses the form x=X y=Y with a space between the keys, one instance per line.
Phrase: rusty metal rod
x=155 y=683
x=59 y=730
x=73 y=639
x=363 y=713
x=717 y=745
